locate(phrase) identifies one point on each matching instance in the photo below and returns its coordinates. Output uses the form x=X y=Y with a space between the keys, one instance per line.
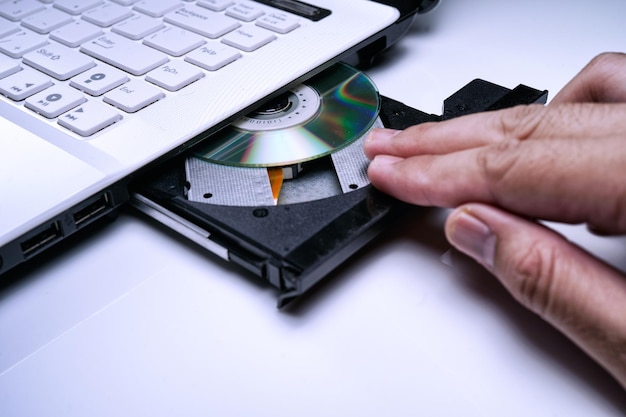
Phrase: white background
x=132 y=320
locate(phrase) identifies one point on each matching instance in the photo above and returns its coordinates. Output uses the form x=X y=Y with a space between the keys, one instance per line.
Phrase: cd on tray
x=283 y=192
x=309 y=121
x=304 y=145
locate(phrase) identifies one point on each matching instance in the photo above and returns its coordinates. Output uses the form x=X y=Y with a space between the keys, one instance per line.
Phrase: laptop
x=94 y=91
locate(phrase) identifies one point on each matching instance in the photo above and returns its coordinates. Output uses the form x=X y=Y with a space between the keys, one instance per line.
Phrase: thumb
x=574 y=291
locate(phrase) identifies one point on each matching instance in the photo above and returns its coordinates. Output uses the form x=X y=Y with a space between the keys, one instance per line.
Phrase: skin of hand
x=503 y=171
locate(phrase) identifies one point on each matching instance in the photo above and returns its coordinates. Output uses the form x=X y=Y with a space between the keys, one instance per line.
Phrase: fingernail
x=472 y=236
x=381 y=134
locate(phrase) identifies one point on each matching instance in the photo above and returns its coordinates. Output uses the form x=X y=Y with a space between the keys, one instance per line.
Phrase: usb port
x=42 y=239
x=91 y=210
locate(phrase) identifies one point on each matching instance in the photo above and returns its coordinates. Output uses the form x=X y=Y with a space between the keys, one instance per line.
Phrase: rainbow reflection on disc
x=327 y=113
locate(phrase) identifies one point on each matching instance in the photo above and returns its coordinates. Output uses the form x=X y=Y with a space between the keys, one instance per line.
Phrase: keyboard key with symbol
x=125 y=54
x=58 y=61
x=89 y=118
x=99 y=80
x=54 y=101
x=133 y=96
x=24 y=84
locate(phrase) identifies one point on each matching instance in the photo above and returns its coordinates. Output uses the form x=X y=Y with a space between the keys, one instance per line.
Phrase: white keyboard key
x=133 y=96
x=18 y=9
x=125 y=2
x=174 y=75
x=20 y=43
x=202 y=21
x=123 y=53
x=107 y=15
x=249 y=38
x=46 y=21
x=54 y=101
x=216 y=5
x=245 y=12
x=99 y=80
x=278 y=22
x=138 y=26
x=156 y=8
x=213 y=56
x=89 y=118
x=8 y=66
x=76 y=33
x=7 y=28
x=58 y=61
x=174 y=41
x=24 y=84
x=76 y=7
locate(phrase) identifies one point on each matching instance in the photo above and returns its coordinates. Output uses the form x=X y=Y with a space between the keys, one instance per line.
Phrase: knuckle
x=534 y=277
x=604 y=72
x=520 y=122
x=536 y=121
x=497 y=162
x=606 y=61
x=414 y=135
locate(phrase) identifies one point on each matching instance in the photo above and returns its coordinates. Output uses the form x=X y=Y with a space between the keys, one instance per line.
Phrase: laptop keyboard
x=88 y=64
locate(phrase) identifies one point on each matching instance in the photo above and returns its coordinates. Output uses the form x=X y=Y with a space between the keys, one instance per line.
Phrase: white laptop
x=92 y=91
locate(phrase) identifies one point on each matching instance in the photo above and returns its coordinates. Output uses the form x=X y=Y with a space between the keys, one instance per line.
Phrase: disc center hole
x=281 y=104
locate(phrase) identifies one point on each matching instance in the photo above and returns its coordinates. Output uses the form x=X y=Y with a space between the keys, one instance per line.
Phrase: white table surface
x=131 y=320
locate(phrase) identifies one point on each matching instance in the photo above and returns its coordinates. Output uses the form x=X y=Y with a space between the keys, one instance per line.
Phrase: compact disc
x=315 y=119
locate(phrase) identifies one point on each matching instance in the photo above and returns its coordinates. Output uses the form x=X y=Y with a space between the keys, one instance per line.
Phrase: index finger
x=569 y=120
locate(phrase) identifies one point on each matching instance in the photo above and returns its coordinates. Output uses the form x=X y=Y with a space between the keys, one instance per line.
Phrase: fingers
x=560 y=180
x=602 y=80
x=574 y=120
x=575 y=292
x=571 y=175
x=456 y=134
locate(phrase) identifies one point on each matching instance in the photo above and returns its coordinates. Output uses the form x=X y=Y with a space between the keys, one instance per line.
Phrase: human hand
x=503 y=170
